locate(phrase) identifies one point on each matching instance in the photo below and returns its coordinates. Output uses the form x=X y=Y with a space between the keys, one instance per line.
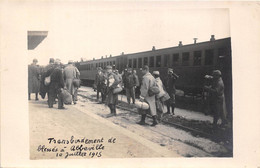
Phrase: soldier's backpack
x=153 y=90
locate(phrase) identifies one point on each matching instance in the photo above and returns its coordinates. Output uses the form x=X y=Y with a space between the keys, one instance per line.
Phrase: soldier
x=147 y=82
x=130 y=84
x=33 y=79
x=44 y=89
x=57 y=82
x=216 y=98
x=112 y=98
x=171 y=90
x=100 y=84
x=71 y=73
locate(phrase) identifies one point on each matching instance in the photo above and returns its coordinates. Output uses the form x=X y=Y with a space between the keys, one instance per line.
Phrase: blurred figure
x=216 y=98
x=137 y=87
x=57 y=82
x=100 y=84
x=147 y=82
x=130 y=84
x=158 y=98
x=171 y=90
x=33 y=79
x=43 y=88
x=71 y=73
x=112 y=83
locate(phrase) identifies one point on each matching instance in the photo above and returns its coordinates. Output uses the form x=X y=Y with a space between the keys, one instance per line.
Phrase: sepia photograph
x=129 y=84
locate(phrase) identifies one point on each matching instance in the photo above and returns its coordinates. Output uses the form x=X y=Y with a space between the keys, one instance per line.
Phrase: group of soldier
x=109 y=83
x=61 y=77
x=108 y=80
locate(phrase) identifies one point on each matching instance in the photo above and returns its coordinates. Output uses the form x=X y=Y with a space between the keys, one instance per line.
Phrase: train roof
x=142 y=52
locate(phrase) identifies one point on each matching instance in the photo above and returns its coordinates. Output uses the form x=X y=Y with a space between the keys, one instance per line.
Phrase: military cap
x=108 y=67
x=216 y=72
x=156 y=73
x=35 y=60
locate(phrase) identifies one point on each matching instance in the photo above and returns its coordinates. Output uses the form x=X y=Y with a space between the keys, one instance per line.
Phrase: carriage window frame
x=209 y=57
x=130 y=63
x=151 y=61
x=197 y=56
x=174 y=60
x=140 y=62
x=185 y=58
x=135 y=63
x=146 y=61
x=166 y=60
x=158 y=61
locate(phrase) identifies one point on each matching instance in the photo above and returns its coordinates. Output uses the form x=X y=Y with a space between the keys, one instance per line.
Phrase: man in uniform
x=71 y=73
x=33 y=79
x=100 y=84
x=57 y=82
x=216 y=98
x=44 y=89
x=130 y=84
x=171 y=90
x=147 y=82
x=112 y=98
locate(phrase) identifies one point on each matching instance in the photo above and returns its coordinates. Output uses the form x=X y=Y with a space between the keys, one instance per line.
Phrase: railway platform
x=54 y=133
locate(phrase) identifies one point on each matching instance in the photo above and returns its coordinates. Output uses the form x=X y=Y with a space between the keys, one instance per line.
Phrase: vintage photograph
x=114 y=81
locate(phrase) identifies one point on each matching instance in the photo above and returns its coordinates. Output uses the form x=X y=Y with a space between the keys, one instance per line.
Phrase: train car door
x=121 y=63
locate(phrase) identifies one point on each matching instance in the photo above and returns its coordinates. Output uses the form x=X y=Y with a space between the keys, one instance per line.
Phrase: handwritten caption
x=76 y=147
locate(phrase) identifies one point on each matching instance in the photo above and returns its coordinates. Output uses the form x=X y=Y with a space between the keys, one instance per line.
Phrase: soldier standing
x=33 y=79
x=171 y=90
x=71 y=73
x=57 y=82
x=112 y=98
x=216 y=98
x=100 y=84
x=147 y=82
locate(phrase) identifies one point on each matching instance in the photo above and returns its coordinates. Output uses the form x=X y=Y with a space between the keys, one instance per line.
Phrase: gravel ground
x=172 y=138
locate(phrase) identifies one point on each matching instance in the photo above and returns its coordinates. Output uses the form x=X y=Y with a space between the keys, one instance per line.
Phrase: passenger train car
x=190 y=62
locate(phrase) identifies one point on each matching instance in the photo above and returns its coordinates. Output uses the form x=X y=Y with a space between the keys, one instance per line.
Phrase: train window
x=222 y=52
x=111 y=63
x=209 y=56
x=96 y=65
x=145 y=60
x=197 y=58
x=176 y=59
x=102 y=65
x=135 y=63
x=166 y=60
x=92 y=66
x=185 y=58
x=130 y=63
x=99 y=64
x=140 y=63
x=114 y=62
x=151 y=62
x=158 y=61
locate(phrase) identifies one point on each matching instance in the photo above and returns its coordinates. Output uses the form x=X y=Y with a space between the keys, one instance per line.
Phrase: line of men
x=129 y=80
x=61 y=77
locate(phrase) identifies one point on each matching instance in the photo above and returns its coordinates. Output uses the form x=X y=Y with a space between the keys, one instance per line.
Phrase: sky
x=92 y=30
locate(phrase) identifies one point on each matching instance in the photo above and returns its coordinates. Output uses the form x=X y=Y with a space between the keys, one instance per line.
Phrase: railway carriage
x=191 y=62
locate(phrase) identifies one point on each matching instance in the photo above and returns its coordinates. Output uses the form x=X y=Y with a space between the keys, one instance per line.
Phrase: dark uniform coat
x=112 y=82
x=170 y=87
x=47 y=71
x=216 y=98
x=33 y=78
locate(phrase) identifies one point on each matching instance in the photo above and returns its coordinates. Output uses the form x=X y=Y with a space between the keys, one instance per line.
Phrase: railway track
x=197 y=133
x=189 y=129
